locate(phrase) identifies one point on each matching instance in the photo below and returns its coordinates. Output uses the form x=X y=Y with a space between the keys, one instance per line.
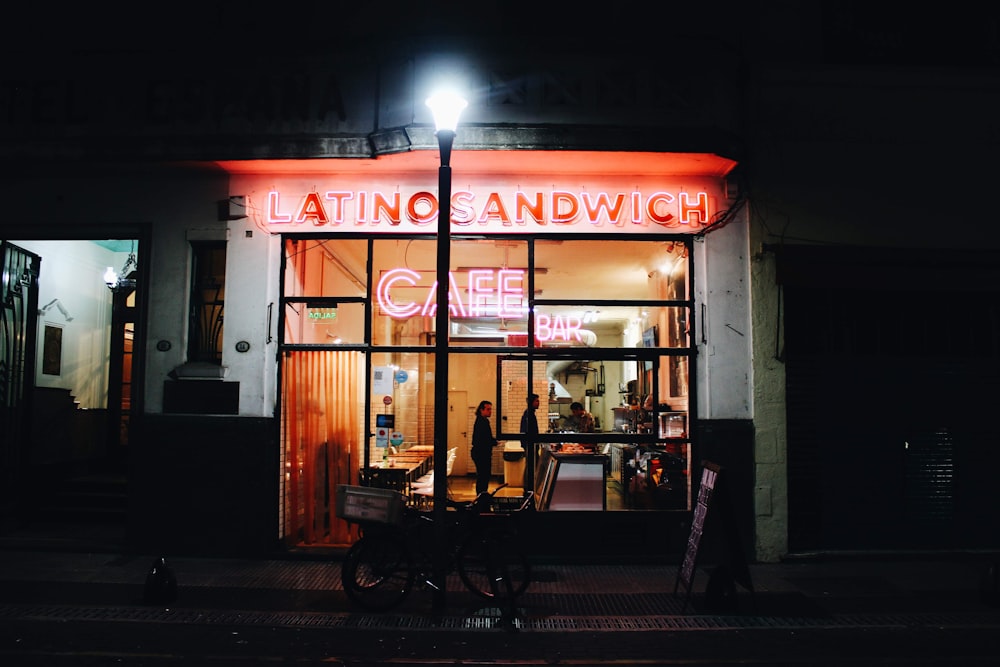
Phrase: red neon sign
x=556 y=210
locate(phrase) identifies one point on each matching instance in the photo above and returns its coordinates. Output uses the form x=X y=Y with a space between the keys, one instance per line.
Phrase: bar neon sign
x=557 y=210
x=491 y=293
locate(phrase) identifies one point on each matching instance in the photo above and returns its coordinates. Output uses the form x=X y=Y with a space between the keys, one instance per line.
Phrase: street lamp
x=446 y=108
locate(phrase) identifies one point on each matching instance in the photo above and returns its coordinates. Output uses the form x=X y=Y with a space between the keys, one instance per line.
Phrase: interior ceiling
x=117 y=245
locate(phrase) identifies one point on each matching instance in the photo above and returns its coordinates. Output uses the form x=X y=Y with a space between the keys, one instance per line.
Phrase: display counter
x=566 y=479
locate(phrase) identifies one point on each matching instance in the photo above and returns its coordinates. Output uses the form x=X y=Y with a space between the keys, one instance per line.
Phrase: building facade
x=280 y=215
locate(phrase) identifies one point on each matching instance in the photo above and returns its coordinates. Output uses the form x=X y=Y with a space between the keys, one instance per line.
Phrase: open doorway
x=71 y=448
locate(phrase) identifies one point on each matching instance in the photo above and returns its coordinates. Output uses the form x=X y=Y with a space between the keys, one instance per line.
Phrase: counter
x=571 y=481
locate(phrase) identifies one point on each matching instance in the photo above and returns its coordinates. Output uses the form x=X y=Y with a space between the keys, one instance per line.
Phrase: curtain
x=321 y=432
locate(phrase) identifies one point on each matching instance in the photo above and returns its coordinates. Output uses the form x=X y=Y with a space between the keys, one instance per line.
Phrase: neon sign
x=517 y=211
x=490 y=293
x=557 y=328
x=320 y=314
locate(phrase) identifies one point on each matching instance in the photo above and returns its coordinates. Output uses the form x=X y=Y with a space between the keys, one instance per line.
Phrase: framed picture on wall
x=52 y=350
x=650 y=338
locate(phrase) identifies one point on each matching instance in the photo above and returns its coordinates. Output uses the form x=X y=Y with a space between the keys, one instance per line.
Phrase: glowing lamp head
x=446 y=107
x=110 y=277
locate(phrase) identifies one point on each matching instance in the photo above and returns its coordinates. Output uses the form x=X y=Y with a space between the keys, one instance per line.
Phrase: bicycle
x=397 y=550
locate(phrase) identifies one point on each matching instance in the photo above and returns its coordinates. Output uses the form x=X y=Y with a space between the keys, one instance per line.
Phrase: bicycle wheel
x=377 y=572
x=490 y=565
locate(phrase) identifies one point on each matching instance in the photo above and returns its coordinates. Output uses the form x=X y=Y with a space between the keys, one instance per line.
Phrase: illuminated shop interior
x=600 y=321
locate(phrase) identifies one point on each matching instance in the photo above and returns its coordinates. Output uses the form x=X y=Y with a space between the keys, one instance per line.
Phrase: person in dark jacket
x=483 y=443
x=529 y=422
x=529 y=427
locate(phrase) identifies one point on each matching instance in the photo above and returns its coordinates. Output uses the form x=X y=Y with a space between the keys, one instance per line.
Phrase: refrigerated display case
x=571 y=481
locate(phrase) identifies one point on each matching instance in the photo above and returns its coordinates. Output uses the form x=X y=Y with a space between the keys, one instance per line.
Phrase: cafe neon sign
x=495 y=293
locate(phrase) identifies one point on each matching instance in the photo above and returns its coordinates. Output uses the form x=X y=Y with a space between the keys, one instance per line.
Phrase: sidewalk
x=852 y=592
x=58 y=607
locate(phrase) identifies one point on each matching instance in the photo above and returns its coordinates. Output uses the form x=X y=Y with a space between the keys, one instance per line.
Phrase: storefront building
x=577 y=289
x=769 y=253
x=279 y=313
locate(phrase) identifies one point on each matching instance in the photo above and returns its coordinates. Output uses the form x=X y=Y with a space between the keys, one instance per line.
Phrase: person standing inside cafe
x=529 y=427
x=483 y=443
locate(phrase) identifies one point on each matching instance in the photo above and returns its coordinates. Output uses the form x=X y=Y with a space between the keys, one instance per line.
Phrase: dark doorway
x=69 y=443
x=892 y=366
x=120 y=377
x=18 y=316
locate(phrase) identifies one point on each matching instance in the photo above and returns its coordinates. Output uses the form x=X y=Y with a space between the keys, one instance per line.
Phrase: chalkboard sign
x=714 y=501
x=709 y=475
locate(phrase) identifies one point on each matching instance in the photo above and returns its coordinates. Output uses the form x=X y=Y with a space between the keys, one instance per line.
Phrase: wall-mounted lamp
x=117 y=282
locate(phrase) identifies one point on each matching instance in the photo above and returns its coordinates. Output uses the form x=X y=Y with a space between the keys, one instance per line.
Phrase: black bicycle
x=381 y=569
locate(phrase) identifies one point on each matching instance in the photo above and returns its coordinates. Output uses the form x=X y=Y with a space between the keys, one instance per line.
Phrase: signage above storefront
x=491 y=211
x=493 y=192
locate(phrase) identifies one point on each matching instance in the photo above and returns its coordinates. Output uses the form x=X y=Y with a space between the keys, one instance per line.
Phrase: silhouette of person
x=483 y=443
x=529 y=427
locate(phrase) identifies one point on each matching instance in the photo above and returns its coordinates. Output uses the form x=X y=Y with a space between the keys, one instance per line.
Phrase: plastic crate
x=505 y=504
x=362 y=503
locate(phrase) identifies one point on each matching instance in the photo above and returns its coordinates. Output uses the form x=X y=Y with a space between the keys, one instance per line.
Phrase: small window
x=208 y=292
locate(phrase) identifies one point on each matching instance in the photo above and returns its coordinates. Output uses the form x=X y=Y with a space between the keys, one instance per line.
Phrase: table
x=398 y=477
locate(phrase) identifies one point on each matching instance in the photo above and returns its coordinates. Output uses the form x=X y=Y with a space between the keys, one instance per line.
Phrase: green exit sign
x=322 y=314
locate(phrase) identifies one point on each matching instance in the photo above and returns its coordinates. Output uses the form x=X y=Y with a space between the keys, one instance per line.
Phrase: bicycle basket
x=504 y=504
x=362 y=503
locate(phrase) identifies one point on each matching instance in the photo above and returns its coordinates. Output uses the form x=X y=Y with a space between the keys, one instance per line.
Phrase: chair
x=422 y=490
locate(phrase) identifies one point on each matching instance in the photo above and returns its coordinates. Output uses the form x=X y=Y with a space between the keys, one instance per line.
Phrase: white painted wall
x=252 y=286
x=177 y=205
x=723 y=331
x=71 y=273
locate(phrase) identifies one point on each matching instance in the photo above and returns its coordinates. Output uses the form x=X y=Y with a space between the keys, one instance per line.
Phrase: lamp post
x=446 y=108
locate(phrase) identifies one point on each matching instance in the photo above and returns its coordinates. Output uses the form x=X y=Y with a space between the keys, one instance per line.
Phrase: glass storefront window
x=487 y=291
x=402 y=397
x=612 y=331
x=326 y=267
x=404 y=292
x=514 y=392
x=323 y=322
x=673 y=383
x=615 y=270
x=610 y=325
